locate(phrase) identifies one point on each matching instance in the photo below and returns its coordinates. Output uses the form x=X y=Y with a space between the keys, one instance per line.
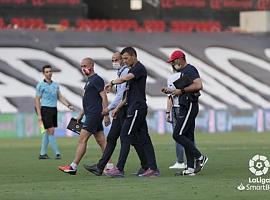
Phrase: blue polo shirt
x=136 y=98
x=92 y=101
x=48 y=93
x=192 y=73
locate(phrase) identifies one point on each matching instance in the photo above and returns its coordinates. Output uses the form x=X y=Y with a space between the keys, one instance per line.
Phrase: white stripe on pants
x=133 y=121
x=186 y=119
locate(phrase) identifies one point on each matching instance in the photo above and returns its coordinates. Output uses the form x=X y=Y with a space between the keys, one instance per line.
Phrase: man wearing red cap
x=188 y=94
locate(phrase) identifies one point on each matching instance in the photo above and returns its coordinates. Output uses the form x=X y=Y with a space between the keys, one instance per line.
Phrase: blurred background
x=227 y=40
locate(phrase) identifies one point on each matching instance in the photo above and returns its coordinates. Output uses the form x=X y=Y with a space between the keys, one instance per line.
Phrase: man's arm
x=64 y=101
x=118 y=107
x=194 y=87
x=169 y=109
x=37 y=105
x=123 y=79
x=104 y=106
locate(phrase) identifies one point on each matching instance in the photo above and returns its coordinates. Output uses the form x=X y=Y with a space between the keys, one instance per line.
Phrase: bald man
x=94 y=102
x=119 y=112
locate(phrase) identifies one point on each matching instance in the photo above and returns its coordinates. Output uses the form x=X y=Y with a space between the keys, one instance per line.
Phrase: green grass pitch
x=23 y=176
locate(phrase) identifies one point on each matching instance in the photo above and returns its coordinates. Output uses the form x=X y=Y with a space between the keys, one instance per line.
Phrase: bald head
x=117 y=60
x=117 y=55
x=87 y=66
x=89 y=62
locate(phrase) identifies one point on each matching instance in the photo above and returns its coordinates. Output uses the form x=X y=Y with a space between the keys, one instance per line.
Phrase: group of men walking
x=129 y=110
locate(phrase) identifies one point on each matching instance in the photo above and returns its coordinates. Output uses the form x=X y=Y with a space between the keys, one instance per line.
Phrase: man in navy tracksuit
x=119 y=114
x=183 y=132
x=134 y=129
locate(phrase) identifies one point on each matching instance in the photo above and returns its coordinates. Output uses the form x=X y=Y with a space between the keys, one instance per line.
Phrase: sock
x=201 y=157
x=44 y=144
x=74 y=165
x=54 y=145
x=190 y=169
x=109 y=166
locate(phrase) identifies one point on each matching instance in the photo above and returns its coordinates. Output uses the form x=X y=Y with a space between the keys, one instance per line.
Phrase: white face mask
x=116 y=65
x=177 y=67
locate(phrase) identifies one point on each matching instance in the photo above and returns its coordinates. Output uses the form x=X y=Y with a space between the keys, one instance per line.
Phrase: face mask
x=116 y=65
x=87 y=71
x=177 y=67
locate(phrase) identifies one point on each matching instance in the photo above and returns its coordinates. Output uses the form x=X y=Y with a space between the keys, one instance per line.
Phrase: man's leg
x=183 y=125
x=52 y=141
x=44 y=146
x=179 y=149
x=81 y=147
x=111 y=144
x=179 y=152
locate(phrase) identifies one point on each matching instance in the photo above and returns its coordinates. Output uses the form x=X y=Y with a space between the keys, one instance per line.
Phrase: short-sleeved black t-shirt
x=193 y=74
x=92 y=101
x=136 y=97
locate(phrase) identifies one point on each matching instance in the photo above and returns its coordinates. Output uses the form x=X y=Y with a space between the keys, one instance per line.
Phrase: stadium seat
x=64 y=23
x=2 y=23
x=154 y=25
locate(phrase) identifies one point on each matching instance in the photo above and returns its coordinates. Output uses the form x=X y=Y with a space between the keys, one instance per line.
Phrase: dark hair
x=46 y=66
x=130 y=50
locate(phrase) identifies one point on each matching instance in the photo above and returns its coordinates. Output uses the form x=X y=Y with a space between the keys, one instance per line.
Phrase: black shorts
x=93 y=123
x=49 y=116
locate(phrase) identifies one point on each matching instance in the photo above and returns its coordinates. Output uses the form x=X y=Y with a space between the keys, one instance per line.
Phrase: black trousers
x=183 y=132
x=112 y=138
x=135 y=132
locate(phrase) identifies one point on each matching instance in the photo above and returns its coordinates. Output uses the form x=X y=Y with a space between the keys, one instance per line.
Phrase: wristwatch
x=183 y=91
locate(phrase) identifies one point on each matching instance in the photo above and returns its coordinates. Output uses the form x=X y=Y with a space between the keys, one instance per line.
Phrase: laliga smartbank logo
x=258 y=166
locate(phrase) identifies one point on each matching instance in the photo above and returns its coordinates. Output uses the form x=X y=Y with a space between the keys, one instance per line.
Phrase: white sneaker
x=109 y=166
x=188 y=172
x=178 y=165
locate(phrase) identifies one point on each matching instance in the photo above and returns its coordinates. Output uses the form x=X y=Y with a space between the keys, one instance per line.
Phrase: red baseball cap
x=175 y=55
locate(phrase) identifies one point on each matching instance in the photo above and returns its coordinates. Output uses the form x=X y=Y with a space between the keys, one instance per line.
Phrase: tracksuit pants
x=112 y=138
x=183 y=132
x=135 y=132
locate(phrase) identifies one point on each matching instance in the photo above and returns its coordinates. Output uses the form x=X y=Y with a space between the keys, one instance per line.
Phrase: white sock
x=74 y=165
x=109 y=165
x=191 y=170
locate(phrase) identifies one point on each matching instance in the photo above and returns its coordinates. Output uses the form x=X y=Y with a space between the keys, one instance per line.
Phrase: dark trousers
x=135 y=132
x=183 y=132
x=112 y=138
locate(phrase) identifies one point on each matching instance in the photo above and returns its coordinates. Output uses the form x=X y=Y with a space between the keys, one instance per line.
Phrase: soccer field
x=23 y=176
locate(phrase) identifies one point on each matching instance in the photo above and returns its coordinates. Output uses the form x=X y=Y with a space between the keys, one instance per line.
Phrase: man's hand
x=166 y=90
x=79 y=118
x=114 y=113
x=168 y=117
x=39 y=119
x=176 y=92
x=107 y=120
x=71 y=107
x=108 y=87
x=105 y=111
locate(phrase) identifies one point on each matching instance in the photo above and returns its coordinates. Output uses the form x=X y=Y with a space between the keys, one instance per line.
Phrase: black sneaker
x=43 y=157
x=199 y=164
x=58 y=157
x=185 y=172
x=139 y=172
x=93 y=169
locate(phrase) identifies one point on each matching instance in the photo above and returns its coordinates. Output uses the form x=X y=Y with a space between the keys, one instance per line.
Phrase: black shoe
x=58 y=157
x=43 y=157
x=185 y=172
x=139 y=172
x=93 y=169
x=199 y=164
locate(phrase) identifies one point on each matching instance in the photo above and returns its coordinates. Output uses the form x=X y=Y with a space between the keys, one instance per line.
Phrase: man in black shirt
x=134 y=129
x=94 y=102
x=183 y=132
